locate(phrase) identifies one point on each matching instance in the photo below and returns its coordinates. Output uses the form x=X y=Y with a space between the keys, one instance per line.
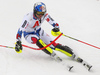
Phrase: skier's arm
x=51 y=21
x=19 y=35
x=18 y=45
x=22 y=28
x=56 y=30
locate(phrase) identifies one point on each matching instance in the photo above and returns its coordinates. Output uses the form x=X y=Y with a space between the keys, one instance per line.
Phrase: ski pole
x=81 y=41
x=7 y=46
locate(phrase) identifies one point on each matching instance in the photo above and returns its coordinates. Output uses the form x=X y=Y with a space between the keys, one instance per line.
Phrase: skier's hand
x=18 y=47
x=55 y=31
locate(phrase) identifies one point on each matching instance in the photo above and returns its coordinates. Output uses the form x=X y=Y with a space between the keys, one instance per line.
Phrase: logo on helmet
x=42 y=8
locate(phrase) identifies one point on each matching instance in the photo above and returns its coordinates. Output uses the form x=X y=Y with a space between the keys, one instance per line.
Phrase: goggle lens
x=40 y=13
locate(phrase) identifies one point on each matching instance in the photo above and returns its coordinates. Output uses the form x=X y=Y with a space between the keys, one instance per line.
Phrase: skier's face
x=39 y=16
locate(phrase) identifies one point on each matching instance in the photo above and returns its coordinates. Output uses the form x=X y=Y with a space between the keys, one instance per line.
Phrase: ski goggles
x=40 y=13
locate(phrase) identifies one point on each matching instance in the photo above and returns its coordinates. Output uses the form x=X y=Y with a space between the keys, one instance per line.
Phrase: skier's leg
x=58 y=47
x=47 y=39
x=34 y=39
x=68 y=51
x=48 y=50
x=64 y=49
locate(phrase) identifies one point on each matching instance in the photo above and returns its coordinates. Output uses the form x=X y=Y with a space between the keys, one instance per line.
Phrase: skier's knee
x=34 y=40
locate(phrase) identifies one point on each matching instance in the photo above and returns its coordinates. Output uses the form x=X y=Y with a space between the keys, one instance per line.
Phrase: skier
x=34 y=34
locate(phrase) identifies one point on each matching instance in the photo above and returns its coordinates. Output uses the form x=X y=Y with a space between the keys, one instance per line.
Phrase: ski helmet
x=39 y=8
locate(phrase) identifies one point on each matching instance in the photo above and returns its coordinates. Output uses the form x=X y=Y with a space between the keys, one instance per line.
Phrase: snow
x=77 y=18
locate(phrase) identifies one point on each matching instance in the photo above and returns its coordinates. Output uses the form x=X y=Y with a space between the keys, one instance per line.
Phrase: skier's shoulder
x=28 y=16
x=46 y=14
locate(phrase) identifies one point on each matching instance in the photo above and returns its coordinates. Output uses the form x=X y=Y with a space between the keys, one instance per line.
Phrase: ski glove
x=18 y=47
x=55 y=31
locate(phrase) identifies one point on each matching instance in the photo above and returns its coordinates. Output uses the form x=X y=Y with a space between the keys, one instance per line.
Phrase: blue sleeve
x=55 y=25
x=19 y=35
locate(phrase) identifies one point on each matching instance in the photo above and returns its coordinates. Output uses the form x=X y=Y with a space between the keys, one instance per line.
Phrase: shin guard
x=64 y=49
x=41 y=44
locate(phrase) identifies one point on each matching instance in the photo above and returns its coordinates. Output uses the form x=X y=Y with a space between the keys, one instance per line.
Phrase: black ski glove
x=18 y=47
x=55 y=29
